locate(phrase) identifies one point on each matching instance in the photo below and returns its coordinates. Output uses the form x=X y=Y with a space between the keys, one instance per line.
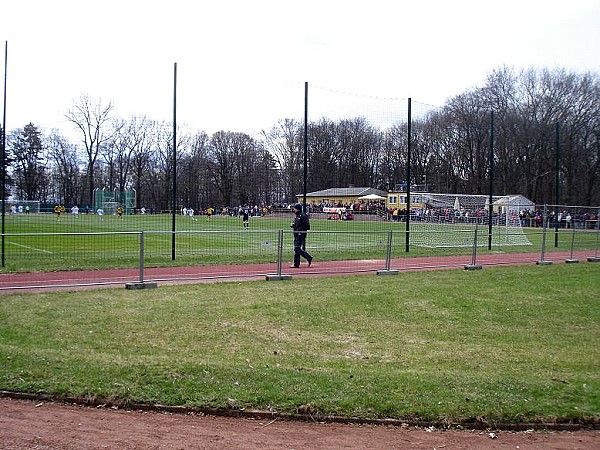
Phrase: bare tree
x=162 y=159
x=359 y=152
x=142 y=135
x=323 y=154
x=231 y=160
x=195 y=188
x=66 y=176
x=284 y=141
x=580 y=128
x=394 y=156
x=450 y=149
x=91 y=118
x=267 y=190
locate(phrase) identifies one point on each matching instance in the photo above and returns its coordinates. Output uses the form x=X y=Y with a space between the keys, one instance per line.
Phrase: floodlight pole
x=556 y=183
x=408 y=175
x=490 y=208
x=174 y=188
x=305 y=144
x=3 y=180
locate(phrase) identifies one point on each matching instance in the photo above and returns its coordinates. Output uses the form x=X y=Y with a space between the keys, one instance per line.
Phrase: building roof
x=345 y=192
x=472 y=200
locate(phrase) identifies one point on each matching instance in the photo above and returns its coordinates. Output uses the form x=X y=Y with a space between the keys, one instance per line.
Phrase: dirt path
x=44 y=426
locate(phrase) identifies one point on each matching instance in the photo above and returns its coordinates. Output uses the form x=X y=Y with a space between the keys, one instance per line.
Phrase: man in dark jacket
x=300 y=226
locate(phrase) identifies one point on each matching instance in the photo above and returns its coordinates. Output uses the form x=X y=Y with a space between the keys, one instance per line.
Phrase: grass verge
x=510 y=344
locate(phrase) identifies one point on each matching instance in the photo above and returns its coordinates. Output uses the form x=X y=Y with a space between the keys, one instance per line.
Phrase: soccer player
x=58 y=210
x=245 y=217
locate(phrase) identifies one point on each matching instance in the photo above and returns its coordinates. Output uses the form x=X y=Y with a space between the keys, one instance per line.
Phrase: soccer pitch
x=44 y=242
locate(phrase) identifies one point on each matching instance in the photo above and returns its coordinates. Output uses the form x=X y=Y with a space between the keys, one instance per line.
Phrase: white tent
x=514 y=203
x=371 y=197
x=456 y=204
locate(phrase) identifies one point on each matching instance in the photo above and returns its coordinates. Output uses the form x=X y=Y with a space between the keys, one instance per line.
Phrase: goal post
x=448 y=220
x=109 y=200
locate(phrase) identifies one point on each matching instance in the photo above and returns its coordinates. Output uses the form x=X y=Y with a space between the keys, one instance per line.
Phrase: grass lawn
x=39 y=242
x=509 y=344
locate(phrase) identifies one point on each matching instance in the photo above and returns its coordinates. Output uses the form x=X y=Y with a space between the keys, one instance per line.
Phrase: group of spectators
x=526 y=217
x=440 y=215
x=355 y=207
x=312 y=207
x=560 y=219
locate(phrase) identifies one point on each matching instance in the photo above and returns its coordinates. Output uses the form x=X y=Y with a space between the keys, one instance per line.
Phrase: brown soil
x=43 y=426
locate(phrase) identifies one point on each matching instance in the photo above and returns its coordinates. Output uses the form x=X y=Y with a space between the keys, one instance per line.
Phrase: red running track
x=11 y=282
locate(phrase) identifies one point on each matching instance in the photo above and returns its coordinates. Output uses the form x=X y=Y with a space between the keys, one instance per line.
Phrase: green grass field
x=509 y=344
x=40 y=242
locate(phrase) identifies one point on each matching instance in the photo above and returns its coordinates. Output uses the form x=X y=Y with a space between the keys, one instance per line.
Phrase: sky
x=242 y=64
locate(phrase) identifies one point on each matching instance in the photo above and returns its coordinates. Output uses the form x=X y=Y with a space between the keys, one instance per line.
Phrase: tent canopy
x=457 y=204
x=514 y=202
x=371 y=197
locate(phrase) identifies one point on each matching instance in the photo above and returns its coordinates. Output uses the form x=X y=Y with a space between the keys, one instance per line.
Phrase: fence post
x=596 y=258
x=141 y=284
x=571 y=259
x=141 y=256
x=474 y=265
x=279 y=276
x=388 y=258
x=542 y=261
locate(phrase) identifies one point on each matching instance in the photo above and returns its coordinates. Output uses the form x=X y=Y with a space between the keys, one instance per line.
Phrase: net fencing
x=448 y=215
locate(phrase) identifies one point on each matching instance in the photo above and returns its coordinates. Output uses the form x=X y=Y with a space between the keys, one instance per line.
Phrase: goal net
x=448 y=220
x=109 y=200
x=109 y=207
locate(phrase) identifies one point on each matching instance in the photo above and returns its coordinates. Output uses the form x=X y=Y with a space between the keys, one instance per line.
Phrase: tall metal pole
x=491 y=195
x=3 y=180
x=408 y=175
x=174 y=188
x=556 y=183
x=305 y=144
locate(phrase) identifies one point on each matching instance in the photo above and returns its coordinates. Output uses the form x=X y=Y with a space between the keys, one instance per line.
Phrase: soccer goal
x=449 y=220
x=109 y=200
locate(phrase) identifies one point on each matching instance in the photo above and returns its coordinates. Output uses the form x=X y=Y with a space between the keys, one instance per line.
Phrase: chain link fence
x=48 y=259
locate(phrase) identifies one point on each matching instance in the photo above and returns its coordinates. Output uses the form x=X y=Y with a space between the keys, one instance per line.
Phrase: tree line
x=546 y=125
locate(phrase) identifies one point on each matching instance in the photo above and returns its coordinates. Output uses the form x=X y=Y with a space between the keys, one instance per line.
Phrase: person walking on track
x=301 y=225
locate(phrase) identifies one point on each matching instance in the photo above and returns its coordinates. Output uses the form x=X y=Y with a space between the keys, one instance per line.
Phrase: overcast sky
x=242 y=64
